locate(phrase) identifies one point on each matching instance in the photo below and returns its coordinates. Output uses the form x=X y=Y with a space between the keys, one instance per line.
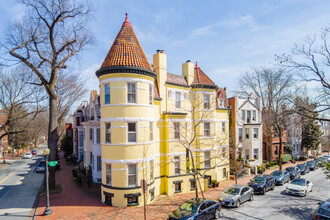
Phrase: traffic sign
x=52 y=163
x=144 y=185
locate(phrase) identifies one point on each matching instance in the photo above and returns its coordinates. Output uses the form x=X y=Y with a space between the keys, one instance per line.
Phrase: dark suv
x=294 y=172
x=262 y=183
x=311 y=165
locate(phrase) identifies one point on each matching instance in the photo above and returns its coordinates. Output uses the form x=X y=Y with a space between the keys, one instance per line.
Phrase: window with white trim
x=255 y=154
x=177 y=100
x=132 y=174
x=177 y=165
x=207 y=159
x=247 y=133
x=98 y=163
x=131 y=92
x=248 y=116
x=106 y=93
x=254 y=115
x=108 y=132
x=243 y=115
x=207 y=129
x=206 y=101
x=108 y=179
x=176 y=130
x=255 y=132
x=240 y=134
x=150 y=94
x=223 y=153
x=223 y=127
x=151 y=169
x=221 y=103
x=131 y=131
x=151 y=131
x=91 y=134
x=98 y=136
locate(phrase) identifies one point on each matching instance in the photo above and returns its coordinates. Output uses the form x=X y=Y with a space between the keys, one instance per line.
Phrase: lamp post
x=47 y=211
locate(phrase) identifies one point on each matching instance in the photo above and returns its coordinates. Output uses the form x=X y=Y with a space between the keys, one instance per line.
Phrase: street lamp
x=47 y=211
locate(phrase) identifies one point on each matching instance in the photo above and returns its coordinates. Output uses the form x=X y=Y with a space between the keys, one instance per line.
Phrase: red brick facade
x=4 y=140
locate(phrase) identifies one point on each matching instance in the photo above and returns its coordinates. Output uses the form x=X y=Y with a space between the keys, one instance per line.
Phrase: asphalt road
x=19 y=186
x=278 y=205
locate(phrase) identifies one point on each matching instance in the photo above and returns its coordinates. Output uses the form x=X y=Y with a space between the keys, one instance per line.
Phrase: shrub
x=214 y=183
x=252 y=160
x=79 y=179
x=285 y=158
x=74 y=173
x=264 y=161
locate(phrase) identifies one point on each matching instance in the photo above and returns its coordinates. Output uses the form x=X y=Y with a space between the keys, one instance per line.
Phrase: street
x=278 y=205
x=19 y=186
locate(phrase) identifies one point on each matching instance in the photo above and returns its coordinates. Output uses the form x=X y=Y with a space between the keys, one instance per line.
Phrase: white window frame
x=98 y=164
x=107 y=133
x=256 y=134
x=91 y=135
x=248 y=116
x=207 y=129
x=221 y=103
x=151 y=169
x=176 y=129
x=98 y=135
x=177 y=169
x=108 y=175
x=254 y=115
x=243 y=115
x=150 y=94
x=131 y=132
x=207 y=159
x=247 y=133
x=240 y=136
x=107 y=93
x=131 y=93
x=206 y=101
x=223 y=153
x=223 y=127
x=134 y=174
x=255 y=156
x=177 y=99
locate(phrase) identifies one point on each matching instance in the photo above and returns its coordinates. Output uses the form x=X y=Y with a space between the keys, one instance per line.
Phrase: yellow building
x=153 y=121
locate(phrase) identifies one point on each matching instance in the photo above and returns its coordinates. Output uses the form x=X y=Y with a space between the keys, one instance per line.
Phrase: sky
x=225 y=37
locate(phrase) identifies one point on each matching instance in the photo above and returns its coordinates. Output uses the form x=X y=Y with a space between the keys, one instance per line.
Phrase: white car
x=27 y=156
x=299 y=187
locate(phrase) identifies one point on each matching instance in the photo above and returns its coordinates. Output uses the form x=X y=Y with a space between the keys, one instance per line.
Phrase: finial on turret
x=126 y=22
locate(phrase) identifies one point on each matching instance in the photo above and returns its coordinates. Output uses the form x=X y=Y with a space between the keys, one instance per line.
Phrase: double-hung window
x=243 y=115
x=254 y=115
x=131 y=131
x=91 y=134
x=223 y=127
x=177 y=165
x=108 y=174
x=150 y=94
x=151 y=131
x=151 y=169
x=106 y=93
x=240 y=134
x=207 y=129
x=108 y=132
x=177 y=100
x=248 y=116
x=176 y=130
x=98 y=136
x=247 y=133
x=220 y=103
x=99 y=163
x=131 y=92
x=255 y=154
x=255 y=132
x=206 y=101
x=132 y=174
x=207 y=159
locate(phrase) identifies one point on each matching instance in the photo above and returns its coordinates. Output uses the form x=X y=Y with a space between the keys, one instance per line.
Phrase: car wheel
x=238 y=204
x=217 y=213
x=312 y=189
x=273 y=186
x=251 y=197
x=263 y=191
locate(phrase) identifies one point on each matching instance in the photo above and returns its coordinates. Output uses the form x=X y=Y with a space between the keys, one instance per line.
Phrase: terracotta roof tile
x=176 y=79
x=126 y=50
x=200 y=77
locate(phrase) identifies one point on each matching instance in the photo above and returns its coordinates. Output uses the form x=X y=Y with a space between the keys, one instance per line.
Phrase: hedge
x=285 y=158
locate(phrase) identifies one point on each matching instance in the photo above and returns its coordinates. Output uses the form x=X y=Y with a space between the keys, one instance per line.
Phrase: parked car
x=323 y=211
x=262 y=183
x=311 y=165
x=294 y=172
x=27 y=156
x=281 y=176
x=33 y=152
x=299 y=186
x=235 y=195
x=197 y=209
x=41 y=167
x=303 y=168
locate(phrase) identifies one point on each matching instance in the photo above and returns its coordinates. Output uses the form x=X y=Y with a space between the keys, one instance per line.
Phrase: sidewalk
x=74 y=203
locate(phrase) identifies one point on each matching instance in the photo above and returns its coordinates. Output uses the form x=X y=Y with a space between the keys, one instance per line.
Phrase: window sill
x=192 y=189
x=177 y=191
x=133 y=204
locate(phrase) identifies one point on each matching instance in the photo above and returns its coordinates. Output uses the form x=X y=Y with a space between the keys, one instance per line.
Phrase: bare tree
x=20 y=100
x=47 y=38
x=273 y=86
x=310 y=60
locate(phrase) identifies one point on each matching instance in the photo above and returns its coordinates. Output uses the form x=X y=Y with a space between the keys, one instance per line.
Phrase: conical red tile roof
x=126 y=50
x=201 y=78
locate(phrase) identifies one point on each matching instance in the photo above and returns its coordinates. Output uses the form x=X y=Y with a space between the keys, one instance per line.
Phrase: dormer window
x=221 y=103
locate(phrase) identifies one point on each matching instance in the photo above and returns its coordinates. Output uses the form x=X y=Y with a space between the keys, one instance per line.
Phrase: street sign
x=52 y=163
x=144 y=185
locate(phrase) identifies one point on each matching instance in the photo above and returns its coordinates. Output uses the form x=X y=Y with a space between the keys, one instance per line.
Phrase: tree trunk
x=52 y=138
x=280 y=154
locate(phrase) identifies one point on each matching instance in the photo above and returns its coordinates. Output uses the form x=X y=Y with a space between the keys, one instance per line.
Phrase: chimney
x=188 y=71
x=160 y=67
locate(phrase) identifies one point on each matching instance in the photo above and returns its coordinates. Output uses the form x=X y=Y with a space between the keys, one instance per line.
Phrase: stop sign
x=144 y=185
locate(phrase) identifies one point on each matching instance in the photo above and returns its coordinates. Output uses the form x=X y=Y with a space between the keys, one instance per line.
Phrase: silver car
x=235 y=195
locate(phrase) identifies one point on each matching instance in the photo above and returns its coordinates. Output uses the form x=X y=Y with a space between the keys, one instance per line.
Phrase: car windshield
x=301 y=166
x=277 y=173
x=232 y=190
x=300 y=182
x=310 y=163
x=258 y=179
x=290 y=169
x=324 y=209
x=189 y=206
x=28 y=154
x=42 y=163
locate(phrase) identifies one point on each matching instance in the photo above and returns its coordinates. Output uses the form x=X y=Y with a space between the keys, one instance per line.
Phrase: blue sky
x=225 y=37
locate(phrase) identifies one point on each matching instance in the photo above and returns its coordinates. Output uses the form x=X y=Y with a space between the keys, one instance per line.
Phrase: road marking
x=6 y=178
